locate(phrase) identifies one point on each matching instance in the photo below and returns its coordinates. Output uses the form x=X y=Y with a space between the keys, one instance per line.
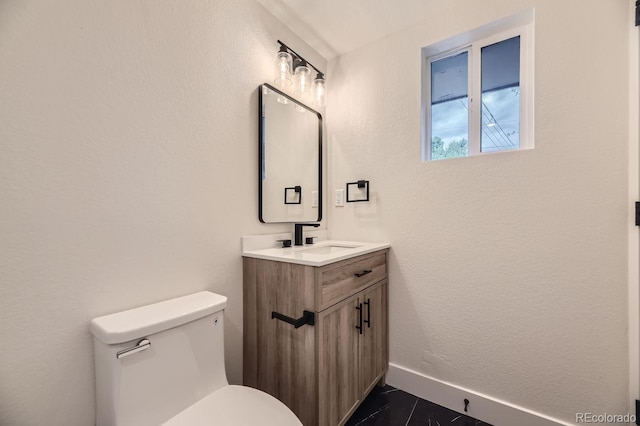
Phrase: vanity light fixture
x=283 y=68
x=301 y=79
x=289 y=63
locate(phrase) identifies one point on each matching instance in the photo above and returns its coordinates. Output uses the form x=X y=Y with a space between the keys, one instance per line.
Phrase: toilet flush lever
x=141 y=346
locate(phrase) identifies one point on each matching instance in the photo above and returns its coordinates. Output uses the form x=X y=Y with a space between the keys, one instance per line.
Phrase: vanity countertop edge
x=301 y=255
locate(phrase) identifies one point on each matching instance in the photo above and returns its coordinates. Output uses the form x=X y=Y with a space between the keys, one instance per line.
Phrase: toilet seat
x=236 y=406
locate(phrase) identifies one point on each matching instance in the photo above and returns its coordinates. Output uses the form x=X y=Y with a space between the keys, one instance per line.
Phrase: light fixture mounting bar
x=293 y=52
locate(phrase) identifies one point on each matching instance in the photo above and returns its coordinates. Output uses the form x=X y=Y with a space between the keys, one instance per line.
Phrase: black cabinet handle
x=368 y=320
x=307 y=318
x=365 y=272
x=359 y=309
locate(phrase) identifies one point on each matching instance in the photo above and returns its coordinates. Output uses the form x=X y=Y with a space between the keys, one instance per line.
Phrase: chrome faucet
x=298 y=232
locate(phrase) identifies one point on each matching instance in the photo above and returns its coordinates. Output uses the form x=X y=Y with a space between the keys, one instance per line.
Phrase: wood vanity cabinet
x=321 y=371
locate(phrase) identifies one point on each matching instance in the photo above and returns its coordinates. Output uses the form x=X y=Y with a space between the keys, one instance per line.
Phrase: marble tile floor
x=388 y=406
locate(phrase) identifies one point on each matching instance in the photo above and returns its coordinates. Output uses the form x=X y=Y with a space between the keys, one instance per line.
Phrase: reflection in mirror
x=290 y=173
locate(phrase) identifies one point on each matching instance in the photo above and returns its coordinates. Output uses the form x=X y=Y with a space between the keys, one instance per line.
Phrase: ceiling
x=336 y=27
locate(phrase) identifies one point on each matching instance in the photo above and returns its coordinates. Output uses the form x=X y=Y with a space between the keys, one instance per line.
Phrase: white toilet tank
x=153 y=362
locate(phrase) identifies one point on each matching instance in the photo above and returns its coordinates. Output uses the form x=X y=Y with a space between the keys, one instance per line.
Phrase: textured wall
x=508 y=271
x=127 y=176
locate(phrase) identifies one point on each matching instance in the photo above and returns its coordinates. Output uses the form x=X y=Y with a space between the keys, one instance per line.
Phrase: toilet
x=163 y=364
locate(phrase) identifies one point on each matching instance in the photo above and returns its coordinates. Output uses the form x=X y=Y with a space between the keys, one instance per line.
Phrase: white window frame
x=473 y=42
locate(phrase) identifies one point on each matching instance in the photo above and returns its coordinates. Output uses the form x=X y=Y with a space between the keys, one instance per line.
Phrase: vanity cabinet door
x=374 y=351
x=279 y=358
x=338 y=362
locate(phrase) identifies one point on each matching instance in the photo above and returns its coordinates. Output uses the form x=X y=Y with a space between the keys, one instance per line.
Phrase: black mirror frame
x=261 y=152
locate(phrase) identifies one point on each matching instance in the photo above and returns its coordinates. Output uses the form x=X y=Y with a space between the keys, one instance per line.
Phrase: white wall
x=128 y=173
x=508 y=271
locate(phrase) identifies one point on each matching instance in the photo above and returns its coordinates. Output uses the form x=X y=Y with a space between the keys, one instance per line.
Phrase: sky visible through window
x=500 y=120
x=450 y=120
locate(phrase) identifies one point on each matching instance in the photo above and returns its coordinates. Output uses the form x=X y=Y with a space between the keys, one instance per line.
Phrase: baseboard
x=481 y=407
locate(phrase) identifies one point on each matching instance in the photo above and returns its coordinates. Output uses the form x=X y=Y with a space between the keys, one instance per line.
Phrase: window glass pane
x=449 y=107
x=501 y=96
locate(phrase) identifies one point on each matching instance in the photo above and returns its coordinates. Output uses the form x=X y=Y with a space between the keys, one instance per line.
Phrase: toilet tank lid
x=146 y=320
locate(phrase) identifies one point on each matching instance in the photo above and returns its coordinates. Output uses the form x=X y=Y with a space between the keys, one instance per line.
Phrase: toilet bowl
x=163 y=364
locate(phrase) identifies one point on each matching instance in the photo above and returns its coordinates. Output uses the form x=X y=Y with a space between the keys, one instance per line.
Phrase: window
x=477 y=98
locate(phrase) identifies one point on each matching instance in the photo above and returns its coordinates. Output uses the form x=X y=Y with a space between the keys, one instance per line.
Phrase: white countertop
x=319 y=254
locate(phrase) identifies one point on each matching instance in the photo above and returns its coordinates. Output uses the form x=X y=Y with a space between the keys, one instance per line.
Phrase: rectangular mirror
x=290 y=159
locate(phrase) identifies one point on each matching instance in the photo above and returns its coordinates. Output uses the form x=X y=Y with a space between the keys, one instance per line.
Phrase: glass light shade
x=318 y=92
x=302 y=81
x=283 y=70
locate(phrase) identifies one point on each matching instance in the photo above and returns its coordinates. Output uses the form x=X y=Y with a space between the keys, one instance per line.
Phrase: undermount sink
x=328 y=249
